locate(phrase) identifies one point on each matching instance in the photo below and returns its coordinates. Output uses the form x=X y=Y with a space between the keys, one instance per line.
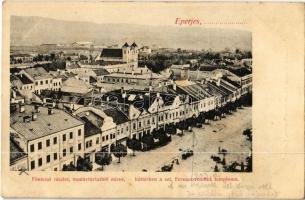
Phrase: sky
x=138 y=12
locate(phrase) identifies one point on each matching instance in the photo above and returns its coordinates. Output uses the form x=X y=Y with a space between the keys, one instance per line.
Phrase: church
x=127 y=54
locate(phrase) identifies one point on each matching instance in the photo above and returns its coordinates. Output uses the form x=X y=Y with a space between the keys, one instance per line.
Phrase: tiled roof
x=16 y=152
x=89 y=127
x=118 y=116
x=101 y=72
x=139 y=99
x=44 y=125
x=96 y=119
x=113 y=53
x=73 y=66
x=240 y=72
x=75 y=86
x=24 y=79
x=234 y=83
x=38 y=73
x=218 y=89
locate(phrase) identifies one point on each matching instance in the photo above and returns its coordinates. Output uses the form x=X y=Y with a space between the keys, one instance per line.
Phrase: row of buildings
x=58 y=116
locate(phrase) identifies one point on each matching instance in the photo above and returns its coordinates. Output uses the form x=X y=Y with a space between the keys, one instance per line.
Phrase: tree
x=249 y=163
x=162 y=137
x=83 y=57
x=69 y=167
x=148 y=141
x=170 y=128
x=83 y=164
x=103 y=158
x=134 y=144
x=119 y=150
x=248 y=134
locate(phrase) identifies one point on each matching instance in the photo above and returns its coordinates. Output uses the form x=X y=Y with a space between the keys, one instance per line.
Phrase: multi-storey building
x=42 y=79
x=126 y=54
x=51 y=138
x=100 y=130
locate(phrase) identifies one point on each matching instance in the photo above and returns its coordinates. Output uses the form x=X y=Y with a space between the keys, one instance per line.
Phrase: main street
x=225 y=133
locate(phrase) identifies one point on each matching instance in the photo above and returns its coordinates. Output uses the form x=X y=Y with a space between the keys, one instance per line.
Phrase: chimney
x=14 y=94
x=21 y=108
x=50 y=111
x=34 y=116
x=175 y=86
x=218 y=82
x=36 y=108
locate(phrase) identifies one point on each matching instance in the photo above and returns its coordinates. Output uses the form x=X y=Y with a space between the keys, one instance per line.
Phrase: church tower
x=126 y=52
x=134 y=53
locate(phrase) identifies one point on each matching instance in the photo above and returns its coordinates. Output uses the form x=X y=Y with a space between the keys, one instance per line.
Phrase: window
x=71 y=135
x=48 y=143
x=41 y=82
x=39 y=145
x=32 y=147
x=103 y=138
x=79 y=146
x=55 y=169
x=127 y=128
x=106 y=137
x=55 y=140
x=33 y=164
x=140 y=124
x=55 y=156
x=134 y=125
x=64 y=152
x=46 y=81
x=148 y=122
x=64 y=137
x=71 y=149
x=79 y=132
x=39 y=162
x=36 y=83
x=48 y=158
x=97 y=140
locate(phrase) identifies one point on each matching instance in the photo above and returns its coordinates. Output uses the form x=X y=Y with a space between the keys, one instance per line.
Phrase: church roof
x=113 y=53
x=126 y=45
x=134 y=44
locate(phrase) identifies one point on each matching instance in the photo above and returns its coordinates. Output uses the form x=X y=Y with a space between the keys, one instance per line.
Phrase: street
x=225 y=134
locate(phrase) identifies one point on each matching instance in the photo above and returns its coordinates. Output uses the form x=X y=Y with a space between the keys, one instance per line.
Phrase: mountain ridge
x=32 y=30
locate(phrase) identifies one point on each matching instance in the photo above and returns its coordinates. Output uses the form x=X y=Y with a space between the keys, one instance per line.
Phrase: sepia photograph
x=152 y=100
x=127 y=97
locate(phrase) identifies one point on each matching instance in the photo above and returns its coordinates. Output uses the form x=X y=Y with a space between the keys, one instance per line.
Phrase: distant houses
x=61 y=119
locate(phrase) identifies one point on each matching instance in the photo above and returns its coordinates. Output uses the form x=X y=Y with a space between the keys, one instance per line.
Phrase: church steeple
x=134 y=45
x=125 y=45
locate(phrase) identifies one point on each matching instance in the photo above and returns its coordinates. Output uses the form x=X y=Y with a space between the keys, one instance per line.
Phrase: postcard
x=152 y=100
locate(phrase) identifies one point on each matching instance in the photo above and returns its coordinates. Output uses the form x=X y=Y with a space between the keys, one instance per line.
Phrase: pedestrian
x=216 y=168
